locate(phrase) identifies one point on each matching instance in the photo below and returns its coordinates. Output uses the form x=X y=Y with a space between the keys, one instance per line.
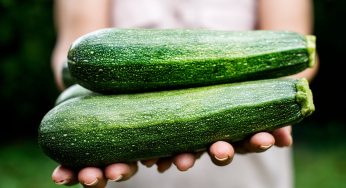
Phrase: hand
x=221 y=153
x=94 y=177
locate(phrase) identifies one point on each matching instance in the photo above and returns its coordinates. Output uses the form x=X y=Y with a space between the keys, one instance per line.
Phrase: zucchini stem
x=304 y=97
x=311 y=46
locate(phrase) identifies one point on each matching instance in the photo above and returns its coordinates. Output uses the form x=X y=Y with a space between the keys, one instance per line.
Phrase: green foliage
x=328 y=85
x=24 y=165
x=320 y=168
x=27 y=88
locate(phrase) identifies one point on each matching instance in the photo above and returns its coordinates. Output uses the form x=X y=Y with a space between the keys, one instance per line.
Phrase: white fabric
x=212 y=14
x=271 y=169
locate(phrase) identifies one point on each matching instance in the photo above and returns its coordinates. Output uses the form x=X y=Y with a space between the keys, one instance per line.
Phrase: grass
x=24 y=165
x=320 y=155
x=323 y=167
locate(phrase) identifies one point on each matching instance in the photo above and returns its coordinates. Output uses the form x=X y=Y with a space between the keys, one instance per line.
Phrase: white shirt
x=271 y=169
x=212 y=14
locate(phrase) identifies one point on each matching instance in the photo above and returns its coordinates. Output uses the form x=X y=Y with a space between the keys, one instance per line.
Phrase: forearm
x=74 y=19
x=292 y=15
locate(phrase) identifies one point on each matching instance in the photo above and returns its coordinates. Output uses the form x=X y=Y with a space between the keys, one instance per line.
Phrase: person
x=272 y=168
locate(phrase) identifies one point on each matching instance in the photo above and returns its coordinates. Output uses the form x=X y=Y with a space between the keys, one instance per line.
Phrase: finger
x=199 y=154
x=283 y=136
x=164 y=164
x=184 y=161
x=92 y=177
x=221 y=153
x=149 y=163
x=120 y=171
x=259 y=142
x=64 y=176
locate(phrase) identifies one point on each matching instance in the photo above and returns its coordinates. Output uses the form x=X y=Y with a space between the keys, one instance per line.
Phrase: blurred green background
x=27 y=37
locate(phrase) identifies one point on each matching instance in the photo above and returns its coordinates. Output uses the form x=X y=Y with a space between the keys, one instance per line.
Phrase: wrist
x=57 y=67
x=67 y=79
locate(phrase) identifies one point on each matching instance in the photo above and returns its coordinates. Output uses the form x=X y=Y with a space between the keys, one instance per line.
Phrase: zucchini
x=104 y=129
x=135 y=60
x=75 y=90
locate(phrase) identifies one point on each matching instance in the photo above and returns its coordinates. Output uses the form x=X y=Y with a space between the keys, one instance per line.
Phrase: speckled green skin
x=134 y=60
x=100 y=130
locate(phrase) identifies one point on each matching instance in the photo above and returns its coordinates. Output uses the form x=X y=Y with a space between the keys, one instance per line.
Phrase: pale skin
x=74 y=20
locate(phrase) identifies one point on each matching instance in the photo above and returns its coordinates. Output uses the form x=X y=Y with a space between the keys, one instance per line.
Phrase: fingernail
x=117 y=178
x=221 y=159
x=149 y=165
x=264 y=147
x=161 y=170
x=92 y=183
x=61 y=182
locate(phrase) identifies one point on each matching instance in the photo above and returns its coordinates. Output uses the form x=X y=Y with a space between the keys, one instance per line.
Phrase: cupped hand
x=94 y=177
x=221 y=153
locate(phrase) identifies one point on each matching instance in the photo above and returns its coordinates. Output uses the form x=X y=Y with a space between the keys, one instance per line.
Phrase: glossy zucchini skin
x=104 y=129
x=74 y=90
x=136 y=60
